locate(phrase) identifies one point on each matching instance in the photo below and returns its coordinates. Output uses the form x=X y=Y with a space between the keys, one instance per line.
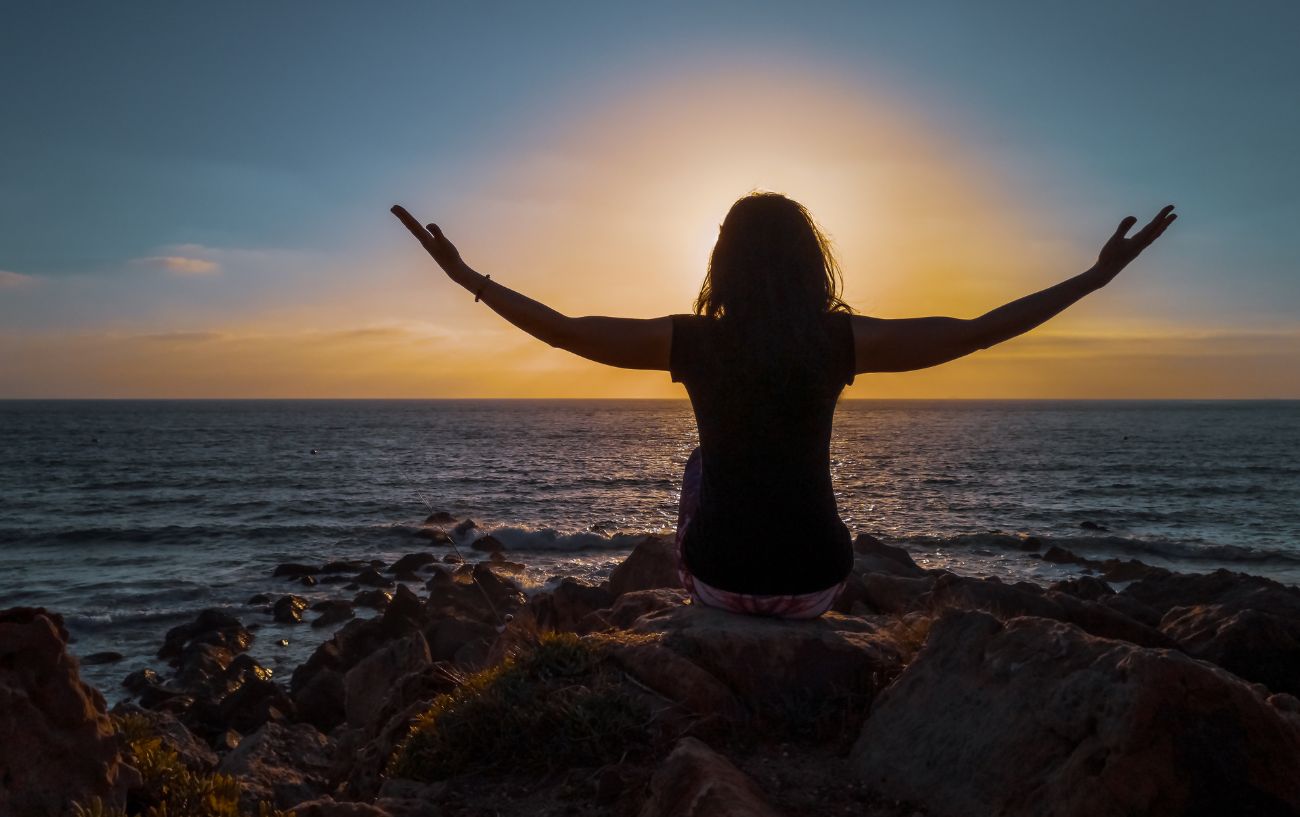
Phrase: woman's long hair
x=772 y=279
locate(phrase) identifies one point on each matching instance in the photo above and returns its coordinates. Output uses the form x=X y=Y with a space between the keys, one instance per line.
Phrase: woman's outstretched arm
x=916 y=343
x=629 y=343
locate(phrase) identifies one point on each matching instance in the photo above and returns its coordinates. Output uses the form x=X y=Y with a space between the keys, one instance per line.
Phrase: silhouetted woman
x=764 y=359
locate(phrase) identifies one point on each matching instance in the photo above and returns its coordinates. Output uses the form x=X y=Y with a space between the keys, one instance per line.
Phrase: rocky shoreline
x=923 y=692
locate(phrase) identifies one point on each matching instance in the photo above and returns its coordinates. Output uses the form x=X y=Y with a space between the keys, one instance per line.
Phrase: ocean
x=128 y=517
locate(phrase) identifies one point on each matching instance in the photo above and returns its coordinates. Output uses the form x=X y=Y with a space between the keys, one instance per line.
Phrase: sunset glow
x=604 y=198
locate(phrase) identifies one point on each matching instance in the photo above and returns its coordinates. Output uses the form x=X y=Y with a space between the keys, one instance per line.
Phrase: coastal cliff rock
x=57 y=744
x=791 y=674
x=1036 y=717
x=651 y=564
x=282 y=764
x=1258 y=646
x=942 y=590
x=695 y=781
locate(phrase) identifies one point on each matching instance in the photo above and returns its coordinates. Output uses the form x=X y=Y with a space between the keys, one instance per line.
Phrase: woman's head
x=771 y=261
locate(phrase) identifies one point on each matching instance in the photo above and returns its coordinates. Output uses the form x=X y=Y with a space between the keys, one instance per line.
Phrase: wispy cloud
x=182 y=266
x=14 y=280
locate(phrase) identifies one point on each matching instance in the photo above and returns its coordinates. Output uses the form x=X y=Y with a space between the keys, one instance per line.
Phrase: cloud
x=183 y=266
x=422 y=359
x=14 y=280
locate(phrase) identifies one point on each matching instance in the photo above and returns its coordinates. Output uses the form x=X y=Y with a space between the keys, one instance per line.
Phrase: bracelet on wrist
x=481 y=287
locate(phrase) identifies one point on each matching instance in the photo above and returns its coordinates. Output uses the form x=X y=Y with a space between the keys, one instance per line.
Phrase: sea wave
x=1104 y=546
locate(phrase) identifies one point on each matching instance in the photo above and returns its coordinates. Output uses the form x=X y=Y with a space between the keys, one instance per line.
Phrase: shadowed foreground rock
x=696 y=781
x=786 y=673
x=1035 y=717
x=57 y=744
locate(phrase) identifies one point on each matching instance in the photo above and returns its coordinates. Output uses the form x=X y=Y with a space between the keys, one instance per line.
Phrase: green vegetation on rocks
x=560 y=703
x=170 y=789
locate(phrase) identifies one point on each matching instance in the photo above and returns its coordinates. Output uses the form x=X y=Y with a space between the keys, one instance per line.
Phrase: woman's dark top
x=767 y=521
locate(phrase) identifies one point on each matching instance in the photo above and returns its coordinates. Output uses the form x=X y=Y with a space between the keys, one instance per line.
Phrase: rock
x=327 y=807
x=480 y=593
x=1088 y=524
x=260 y=598
x=877 y=557
x=1252 y=644
x=437 y=536
x=367 y=685
x=284 y=764
x=194 y=753
x=294 y=570
x=369 y=749
x=464 y=527
x=209 y=627
x=404 y=613
x=1116 y=570
x=448 y=635
x=562 y=607
x=1088 y=588
x=1036 y=717
x=106 y=657
x=1234 y=591
x=696 y=781
x=344 y=566
x=202 y=665
x=678 y=679
x=897 y=594
x=372 y=578
x=411 y=561
x=375 y=599
x=488 y=543
x=1005 y=601
x=451 y=559
x=320 y=700
x=140 y=680
x=288 y=609
x=317 y=684
x=57 y=743
x=651 y=564
x=439 y=518
x=336 y=611
x=789 y=674
x=1061 y=556
x=628 y=607
x=255 y=702
x=334 y=578
x=307 y=581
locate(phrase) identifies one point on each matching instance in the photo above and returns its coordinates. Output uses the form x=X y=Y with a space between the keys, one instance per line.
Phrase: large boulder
x=651 y=564
x=57 y=744
x=695 y=781
x=1255 y=645
x=1036 y=717
x=1233 y=591
x=367 y=685
x=562 y=607
x=283 y=764
x=210 y=626
x=874 y=556
x=789 y=674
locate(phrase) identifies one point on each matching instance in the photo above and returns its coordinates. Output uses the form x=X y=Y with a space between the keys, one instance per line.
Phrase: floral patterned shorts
x=805 y=605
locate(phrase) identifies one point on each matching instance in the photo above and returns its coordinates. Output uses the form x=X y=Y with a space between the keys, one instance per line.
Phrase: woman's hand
x=442 y=250
x=1120 y=251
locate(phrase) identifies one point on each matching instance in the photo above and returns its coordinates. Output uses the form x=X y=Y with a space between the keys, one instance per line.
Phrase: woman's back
x=767 y=522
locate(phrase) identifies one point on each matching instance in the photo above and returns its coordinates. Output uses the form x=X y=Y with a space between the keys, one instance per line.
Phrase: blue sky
x=270 y=138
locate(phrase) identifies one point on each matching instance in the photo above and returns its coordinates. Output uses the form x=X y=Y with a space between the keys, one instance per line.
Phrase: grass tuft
x=169 y=788
x=556 y=704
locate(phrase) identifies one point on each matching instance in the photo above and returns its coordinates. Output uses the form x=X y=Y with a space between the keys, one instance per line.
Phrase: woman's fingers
x=414 y=226
x=1157 y=225
x=1124 y=227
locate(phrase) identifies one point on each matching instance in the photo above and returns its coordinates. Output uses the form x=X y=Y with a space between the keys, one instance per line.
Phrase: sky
x=194 y=198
